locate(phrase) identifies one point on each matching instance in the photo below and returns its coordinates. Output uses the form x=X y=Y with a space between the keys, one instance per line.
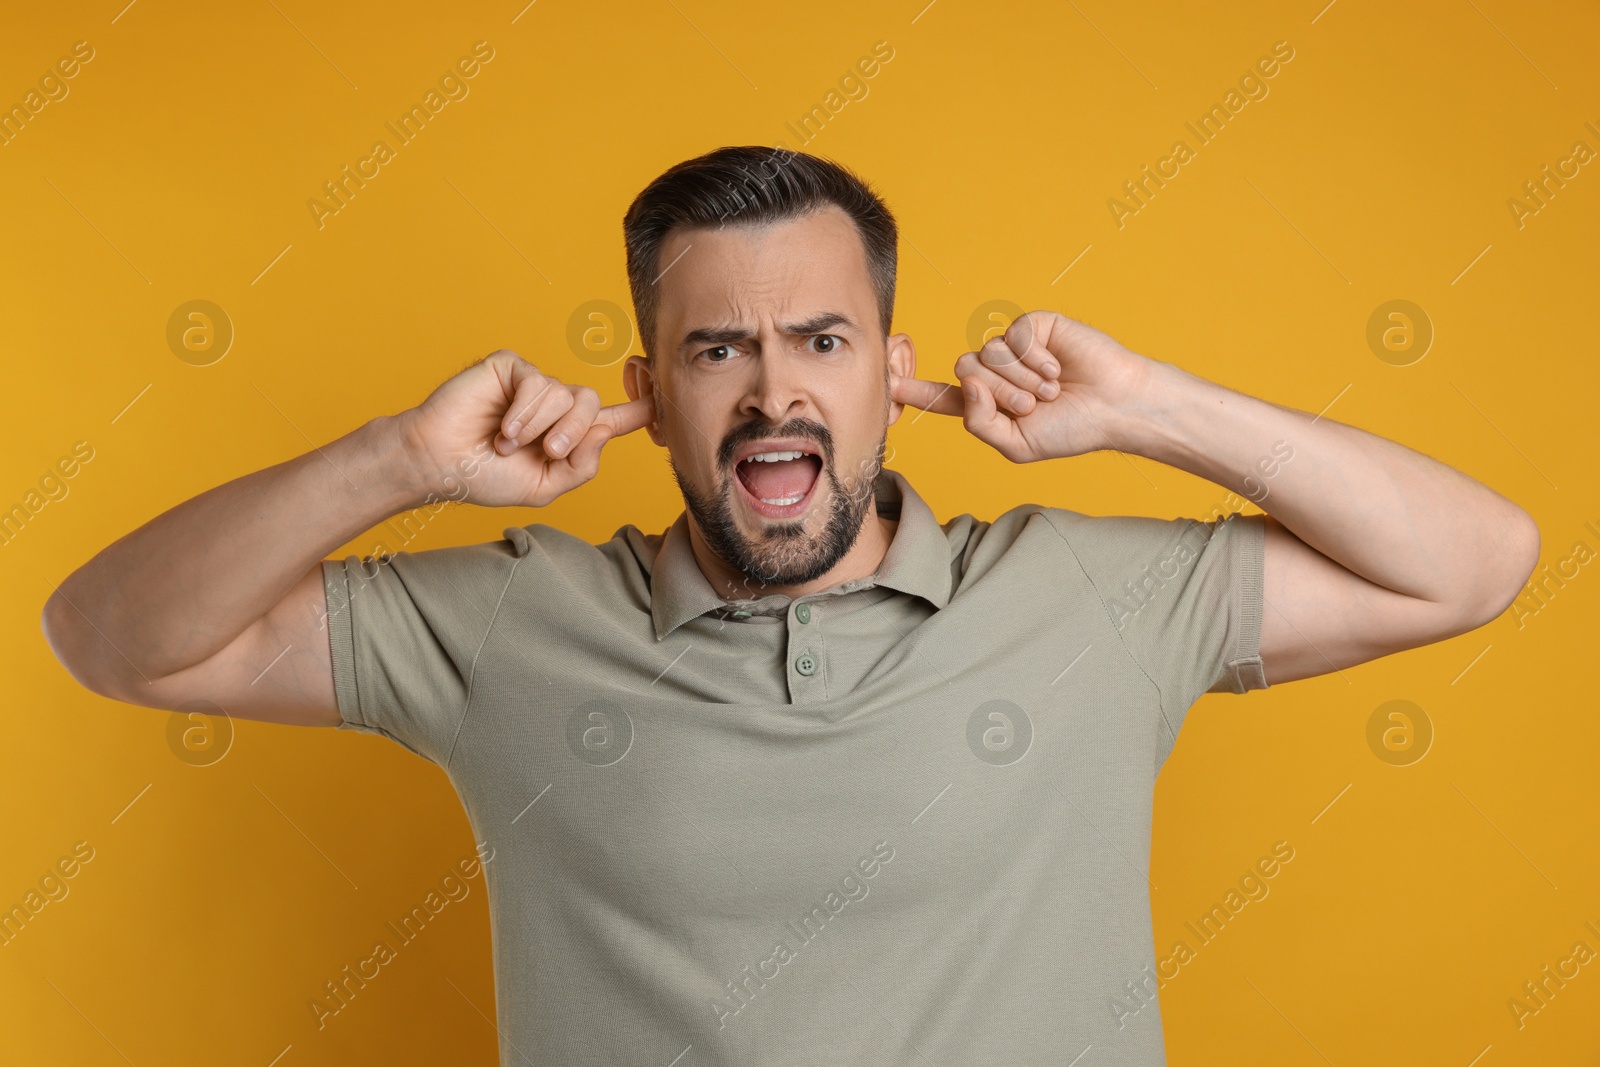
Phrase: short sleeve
x=1184 y=595
x=406 y=630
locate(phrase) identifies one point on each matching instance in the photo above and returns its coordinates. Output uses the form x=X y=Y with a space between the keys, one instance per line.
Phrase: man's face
x=768 y=345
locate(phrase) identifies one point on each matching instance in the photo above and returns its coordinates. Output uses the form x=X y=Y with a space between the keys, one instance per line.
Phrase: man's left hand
x=1048 y=388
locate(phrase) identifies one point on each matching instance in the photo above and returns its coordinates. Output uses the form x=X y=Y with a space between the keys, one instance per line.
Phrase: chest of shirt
x=679 y=782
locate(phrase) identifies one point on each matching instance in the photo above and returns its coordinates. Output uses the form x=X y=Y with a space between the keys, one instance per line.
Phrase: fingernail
x=1048 y=389
x=556 y=443
x=1051 y=369
x=514 y=429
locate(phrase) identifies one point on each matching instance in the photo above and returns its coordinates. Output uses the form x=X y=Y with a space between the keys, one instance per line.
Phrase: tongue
x=781 y=480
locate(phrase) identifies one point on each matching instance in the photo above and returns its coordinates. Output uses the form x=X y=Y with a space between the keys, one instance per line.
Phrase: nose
x=777 y=391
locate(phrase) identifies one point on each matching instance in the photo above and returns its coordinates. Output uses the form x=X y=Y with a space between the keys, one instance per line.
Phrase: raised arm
x=1371 y=547
x=221 y=598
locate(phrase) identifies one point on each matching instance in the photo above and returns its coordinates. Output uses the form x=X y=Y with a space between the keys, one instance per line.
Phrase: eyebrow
x=722 y=335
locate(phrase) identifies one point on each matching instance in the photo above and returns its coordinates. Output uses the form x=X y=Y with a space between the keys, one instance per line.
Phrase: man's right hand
x=164 y=617
x=503 y=434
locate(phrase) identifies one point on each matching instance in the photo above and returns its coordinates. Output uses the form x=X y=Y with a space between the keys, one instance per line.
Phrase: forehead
x=734 y=274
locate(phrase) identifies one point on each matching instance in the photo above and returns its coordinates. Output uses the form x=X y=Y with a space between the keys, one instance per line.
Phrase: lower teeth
x=785 y=502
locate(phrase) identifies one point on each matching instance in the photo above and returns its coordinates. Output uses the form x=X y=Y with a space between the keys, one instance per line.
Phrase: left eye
x=830 y=340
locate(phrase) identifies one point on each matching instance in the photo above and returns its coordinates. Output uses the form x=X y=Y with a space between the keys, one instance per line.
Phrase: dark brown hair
x=751 y=184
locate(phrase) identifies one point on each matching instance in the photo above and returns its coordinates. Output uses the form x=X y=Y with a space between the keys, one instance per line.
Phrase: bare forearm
x=176 y=590
x=1384 y=511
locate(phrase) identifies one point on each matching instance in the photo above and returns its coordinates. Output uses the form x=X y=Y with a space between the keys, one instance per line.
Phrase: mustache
x=796 y=427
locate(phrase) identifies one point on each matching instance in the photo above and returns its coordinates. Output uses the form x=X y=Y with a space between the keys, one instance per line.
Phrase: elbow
x=1522 y=552
x=53 y=628
x=1532 y=544
x=63 y=633
x=1507 y=571
x=58 y=636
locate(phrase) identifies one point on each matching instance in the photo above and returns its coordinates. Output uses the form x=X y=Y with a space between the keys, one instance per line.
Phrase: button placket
x=807 y=682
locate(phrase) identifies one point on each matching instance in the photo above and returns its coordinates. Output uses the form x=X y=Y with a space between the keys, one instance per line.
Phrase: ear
x=637 y=381
x=902 y=356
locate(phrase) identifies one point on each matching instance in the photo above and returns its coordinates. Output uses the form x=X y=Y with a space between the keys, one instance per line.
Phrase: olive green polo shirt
x=904 y=820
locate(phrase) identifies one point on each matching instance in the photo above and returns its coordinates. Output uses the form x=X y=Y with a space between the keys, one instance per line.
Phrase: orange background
x=1378 y=167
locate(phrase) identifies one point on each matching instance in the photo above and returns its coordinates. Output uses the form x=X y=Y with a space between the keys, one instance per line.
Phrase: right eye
x=710 y=354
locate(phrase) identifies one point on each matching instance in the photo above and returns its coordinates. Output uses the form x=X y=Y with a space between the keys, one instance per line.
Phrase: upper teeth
x=773 y=457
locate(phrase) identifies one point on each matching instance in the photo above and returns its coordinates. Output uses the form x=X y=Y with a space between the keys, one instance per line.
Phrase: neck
x=863 y=559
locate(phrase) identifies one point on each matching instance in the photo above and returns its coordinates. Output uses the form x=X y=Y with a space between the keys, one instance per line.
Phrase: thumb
x=979 y=409
x=983 y=418
x=585 y=458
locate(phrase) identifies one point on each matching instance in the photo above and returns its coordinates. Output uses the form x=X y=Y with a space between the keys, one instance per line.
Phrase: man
x=809 y=777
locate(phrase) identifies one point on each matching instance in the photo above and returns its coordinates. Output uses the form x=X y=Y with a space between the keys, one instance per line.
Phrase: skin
x=761 y=378
x=1371 y=547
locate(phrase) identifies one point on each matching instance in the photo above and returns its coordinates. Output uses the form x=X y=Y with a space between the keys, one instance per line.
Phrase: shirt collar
x=917 y=561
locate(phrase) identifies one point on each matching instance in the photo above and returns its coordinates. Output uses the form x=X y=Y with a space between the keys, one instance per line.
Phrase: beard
x=784 y=554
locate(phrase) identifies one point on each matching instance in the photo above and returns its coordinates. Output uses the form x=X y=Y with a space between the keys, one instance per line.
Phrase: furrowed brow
x=714 y=335
x=723 y=335
x=818 y=323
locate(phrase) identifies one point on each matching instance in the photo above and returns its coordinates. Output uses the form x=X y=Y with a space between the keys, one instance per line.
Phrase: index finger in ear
x=938 y=397
x=628 y=417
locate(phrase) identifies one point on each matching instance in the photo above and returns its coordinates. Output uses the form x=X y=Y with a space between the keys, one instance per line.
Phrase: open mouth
x=779 y=484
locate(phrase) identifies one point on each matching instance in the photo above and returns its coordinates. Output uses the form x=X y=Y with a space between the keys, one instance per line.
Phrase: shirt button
x=805 y=664
x=803 y=612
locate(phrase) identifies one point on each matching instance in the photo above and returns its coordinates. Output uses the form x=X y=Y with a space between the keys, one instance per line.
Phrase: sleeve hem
x=1245 y=670
x=341 y=642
